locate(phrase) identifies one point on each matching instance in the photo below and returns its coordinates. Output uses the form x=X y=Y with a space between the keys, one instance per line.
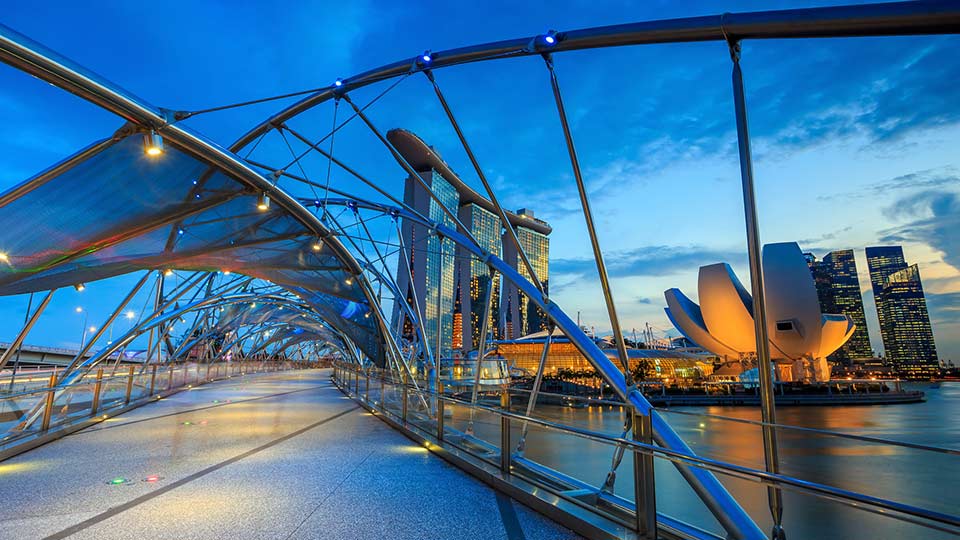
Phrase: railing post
x=403 y=381
x=440 y=410
x=169 y=376
x=48 y=406
x=356 y=382
x=95 y=404
x=645 y=493
x=383 y=391
x=505 y=444
x=153 y=378
x=126 y=398
x=366 y=388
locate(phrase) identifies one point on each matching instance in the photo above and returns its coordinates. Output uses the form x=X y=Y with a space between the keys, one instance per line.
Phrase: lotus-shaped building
x=800 y=335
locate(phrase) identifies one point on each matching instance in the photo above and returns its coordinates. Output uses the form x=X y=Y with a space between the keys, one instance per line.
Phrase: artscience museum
x=800 y=335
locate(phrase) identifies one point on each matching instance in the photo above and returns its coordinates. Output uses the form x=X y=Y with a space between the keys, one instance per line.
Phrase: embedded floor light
x=152 y=143
x=263 y=202
x=79 y=287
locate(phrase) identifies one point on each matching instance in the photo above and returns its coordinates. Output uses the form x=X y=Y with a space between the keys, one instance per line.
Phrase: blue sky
x=855 y=140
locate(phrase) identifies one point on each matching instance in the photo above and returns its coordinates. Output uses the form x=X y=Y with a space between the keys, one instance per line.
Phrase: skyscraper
x=841 y=268
x=524 y=317
x=432 y=262
x=485 y=227
x=902 y=309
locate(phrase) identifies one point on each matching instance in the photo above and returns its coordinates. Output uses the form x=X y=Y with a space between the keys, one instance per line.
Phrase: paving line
x=186 y=480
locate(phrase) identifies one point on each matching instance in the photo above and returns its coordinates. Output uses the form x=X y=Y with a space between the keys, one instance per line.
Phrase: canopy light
x=130 y=315
x=348 y=281
x=79 y=287
x=426 y=57
x=79 y=309
x=338 y=83
x=263 y=202
x=4 y=257
x=168 y=272
x=226 y=272
x=179 y=231
x=317 y=245
x=550 y=38
x=152 y=143
x=92 y=329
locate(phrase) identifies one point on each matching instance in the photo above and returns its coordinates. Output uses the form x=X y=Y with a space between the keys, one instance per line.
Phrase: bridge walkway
x=276 y=456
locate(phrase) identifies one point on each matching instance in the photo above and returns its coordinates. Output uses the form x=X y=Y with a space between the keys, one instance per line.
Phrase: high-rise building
x=524 y=316
x=485 y=227
x=838 y=290
x=463 y=279
x=902 y=309
x=432 y=261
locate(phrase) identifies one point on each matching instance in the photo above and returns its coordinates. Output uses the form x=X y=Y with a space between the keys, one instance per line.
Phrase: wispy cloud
x=647 y=261
x=934 y=219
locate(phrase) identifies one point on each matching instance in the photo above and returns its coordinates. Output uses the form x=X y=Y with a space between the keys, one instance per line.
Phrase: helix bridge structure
x=246 y=257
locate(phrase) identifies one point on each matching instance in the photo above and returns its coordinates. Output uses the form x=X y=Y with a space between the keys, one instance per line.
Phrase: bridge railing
x=34 y=416
x=534 y=454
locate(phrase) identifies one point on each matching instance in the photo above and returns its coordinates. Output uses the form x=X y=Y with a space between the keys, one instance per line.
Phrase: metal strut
x=767 y=405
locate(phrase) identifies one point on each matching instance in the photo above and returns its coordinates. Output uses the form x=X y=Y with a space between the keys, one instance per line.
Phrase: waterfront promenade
x=278 y=456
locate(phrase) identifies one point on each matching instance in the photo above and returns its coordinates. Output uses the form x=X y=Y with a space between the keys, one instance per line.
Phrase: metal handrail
x=903 y=512
x=838 y=434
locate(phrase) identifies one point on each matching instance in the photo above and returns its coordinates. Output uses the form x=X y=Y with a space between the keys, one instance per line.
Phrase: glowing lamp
x=317 y=245
x=152 y=144
x=79 y=287
x=263 y=202
x=168 y=272
x=130 y=315
x=338 y=83
x=4 y=257
x=550 y=38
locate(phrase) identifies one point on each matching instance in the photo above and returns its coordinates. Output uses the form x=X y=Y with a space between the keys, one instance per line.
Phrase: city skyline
x=866 y=127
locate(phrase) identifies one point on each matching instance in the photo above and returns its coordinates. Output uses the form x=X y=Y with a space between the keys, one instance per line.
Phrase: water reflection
x=911 y=476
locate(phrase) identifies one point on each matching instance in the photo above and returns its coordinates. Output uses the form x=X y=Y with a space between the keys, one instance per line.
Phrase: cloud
x=647 y=261
x=944 y=308
x=934 y=220
x=937 y=177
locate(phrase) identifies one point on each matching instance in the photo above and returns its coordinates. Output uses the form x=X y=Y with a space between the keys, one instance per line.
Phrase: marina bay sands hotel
x=449 y=287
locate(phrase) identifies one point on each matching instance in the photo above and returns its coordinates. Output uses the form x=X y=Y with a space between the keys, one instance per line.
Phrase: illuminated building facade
x=524 y=317
x=485 y=227
x=432 y=261
x=465 y=280
x=838 y=291
x=902 y=309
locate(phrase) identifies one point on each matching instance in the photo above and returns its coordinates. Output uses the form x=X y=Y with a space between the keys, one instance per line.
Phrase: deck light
x=152 y=479
x=117 y=481
x=79 y=287
x=152 y=144
x=263 y=202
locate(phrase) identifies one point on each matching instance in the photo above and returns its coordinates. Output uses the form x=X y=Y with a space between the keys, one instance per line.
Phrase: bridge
x=275 y=393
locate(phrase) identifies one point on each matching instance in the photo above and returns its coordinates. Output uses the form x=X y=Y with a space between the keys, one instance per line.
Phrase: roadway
x=274 y=456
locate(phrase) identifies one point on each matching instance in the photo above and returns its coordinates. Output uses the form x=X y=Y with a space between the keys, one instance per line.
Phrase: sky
x=854 y=139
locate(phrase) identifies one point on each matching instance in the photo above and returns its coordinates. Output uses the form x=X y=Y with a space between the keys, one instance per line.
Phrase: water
x=916 y=477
